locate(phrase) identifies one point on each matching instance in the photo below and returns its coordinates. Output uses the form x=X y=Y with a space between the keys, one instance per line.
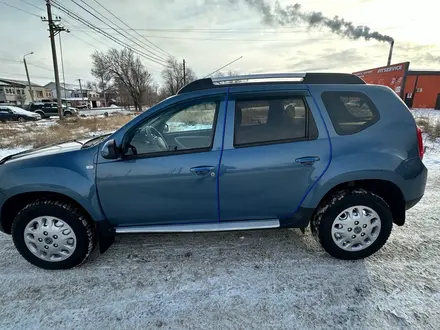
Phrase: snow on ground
x=277 y=279
x=180 y=127
x=103 y=111
x=11 y=151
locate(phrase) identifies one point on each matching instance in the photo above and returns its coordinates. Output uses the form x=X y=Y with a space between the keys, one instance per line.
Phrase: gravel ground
x=278 y=279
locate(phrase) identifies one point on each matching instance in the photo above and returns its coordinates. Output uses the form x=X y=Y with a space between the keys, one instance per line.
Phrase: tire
x=41 y=114
x=70 y=218
x=327 y=217
x=21 y=119
x=67 y=114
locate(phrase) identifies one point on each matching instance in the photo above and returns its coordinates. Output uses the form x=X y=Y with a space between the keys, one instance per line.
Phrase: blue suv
x=233 y=153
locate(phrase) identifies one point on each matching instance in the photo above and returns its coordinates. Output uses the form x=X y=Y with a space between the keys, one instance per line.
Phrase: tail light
x=420 y=142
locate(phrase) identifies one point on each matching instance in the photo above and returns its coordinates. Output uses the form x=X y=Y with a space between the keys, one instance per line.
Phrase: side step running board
x=201 y=227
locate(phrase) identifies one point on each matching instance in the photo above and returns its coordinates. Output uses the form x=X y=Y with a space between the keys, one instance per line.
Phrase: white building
x=17 y=92
x=72 y=94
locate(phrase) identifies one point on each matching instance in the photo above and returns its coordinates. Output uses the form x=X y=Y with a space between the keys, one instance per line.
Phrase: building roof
x=424 y=73
x=71 y=87
x=4 y=84
x=24 y=83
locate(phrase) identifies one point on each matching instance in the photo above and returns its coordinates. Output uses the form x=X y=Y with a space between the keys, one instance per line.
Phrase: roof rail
x=270 y=78
x=260 y=76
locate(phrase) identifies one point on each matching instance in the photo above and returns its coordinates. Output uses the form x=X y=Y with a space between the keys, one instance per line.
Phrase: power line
x=36 y=65
x=86 y=42
x=97 y=30
x=123 y=35
x=92 y=27
x=221 y=31
x=85 y=32
x=24 y=11
x=31 y=4
x=239 y=39
x=155 y=57
x=166 y=53
x=21 y=74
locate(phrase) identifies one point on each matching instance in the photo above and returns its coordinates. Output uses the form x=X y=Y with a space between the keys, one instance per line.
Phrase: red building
x=419 y=89
x=422 y=89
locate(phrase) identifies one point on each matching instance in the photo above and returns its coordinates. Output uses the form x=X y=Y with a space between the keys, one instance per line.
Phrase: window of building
x=272 y=120
x=350 y=112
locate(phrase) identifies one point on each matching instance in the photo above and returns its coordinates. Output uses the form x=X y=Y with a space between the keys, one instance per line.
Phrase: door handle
x=307 y=161
x=203 y=170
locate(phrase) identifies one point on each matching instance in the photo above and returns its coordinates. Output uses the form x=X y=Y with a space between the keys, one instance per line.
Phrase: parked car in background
x=48 y=109
x=11 y=113
x=226 y=156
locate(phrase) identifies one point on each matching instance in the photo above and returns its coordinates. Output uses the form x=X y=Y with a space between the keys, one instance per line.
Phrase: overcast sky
x=195 y=30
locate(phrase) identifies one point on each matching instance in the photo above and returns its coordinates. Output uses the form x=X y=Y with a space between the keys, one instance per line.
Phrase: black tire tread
x=72 y=209
x=325 y=205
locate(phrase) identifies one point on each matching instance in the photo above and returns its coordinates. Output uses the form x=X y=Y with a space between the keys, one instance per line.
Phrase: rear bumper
x=409 y=204
x=414 y=175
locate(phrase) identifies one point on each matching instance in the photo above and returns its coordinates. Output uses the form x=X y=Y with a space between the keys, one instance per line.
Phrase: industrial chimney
x=391 y=52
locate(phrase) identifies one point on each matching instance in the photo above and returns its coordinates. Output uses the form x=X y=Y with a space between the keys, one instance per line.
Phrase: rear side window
x=350 y=112
x=260 y=121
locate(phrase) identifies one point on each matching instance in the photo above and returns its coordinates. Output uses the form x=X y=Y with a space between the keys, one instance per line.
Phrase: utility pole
x=27 y=74
x=53 y=29
x=184 y=72
x=81 y=89
x=62 y=66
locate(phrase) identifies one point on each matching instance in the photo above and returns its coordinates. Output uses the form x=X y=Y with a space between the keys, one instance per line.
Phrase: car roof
x=272 y=79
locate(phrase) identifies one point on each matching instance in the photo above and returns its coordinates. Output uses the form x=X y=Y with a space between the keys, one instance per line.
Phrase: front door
x=437 y=102
x=169 y=172
x=272 y=155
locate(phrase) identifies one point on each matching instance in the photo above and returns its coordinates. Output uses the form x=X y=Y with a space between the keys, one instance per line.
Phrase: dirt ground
x=278 y=279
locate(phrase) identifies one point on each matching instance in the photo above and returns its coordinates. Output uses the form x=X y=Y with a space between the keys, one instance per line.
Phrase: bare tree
x=173 y=77
x=229 y=73
x=126 y=70
x=100 y=70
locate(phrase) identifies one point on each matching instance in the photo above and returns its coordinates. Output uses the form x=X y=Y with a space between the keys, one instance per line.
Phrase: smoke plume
x=293 y=14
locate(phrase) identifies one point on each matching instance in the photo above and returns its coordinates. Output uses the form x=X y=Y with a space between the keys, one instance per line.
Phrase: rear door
x=273 y=154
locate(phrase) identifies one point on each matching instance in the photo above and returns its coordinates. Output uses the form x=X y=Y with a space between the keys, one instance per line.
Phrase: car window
x=194 y=117
x=179 y=128
x=272 y=120
x=4 y=110
x=350 y=112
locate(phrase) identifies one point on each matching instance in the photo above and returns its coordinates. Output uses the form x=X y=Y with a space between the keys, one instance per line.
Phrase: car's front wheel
x=352 y=224
x=53 y=234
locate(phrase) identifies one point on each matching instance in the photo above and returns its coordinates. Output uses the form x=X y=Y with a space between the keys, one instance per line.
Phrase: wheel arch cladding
x=16 y=203
x=387 y=190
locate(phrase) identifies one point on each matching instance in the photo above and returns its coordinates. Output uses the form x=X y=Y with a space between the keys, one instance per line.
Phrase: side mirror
x=110 y=150
x=166 y=129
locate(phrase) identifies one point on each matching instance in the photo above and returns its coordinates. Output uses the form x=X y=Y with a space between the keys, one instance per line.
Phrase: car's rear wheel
x=53 y=235
x=67 y=114
x=21 y=119
x=352 y=224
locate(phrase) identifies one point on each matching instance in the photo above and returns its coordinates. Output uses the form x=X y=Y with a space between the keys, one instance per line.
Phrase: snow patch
x=178 y=126
x=11 y=151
